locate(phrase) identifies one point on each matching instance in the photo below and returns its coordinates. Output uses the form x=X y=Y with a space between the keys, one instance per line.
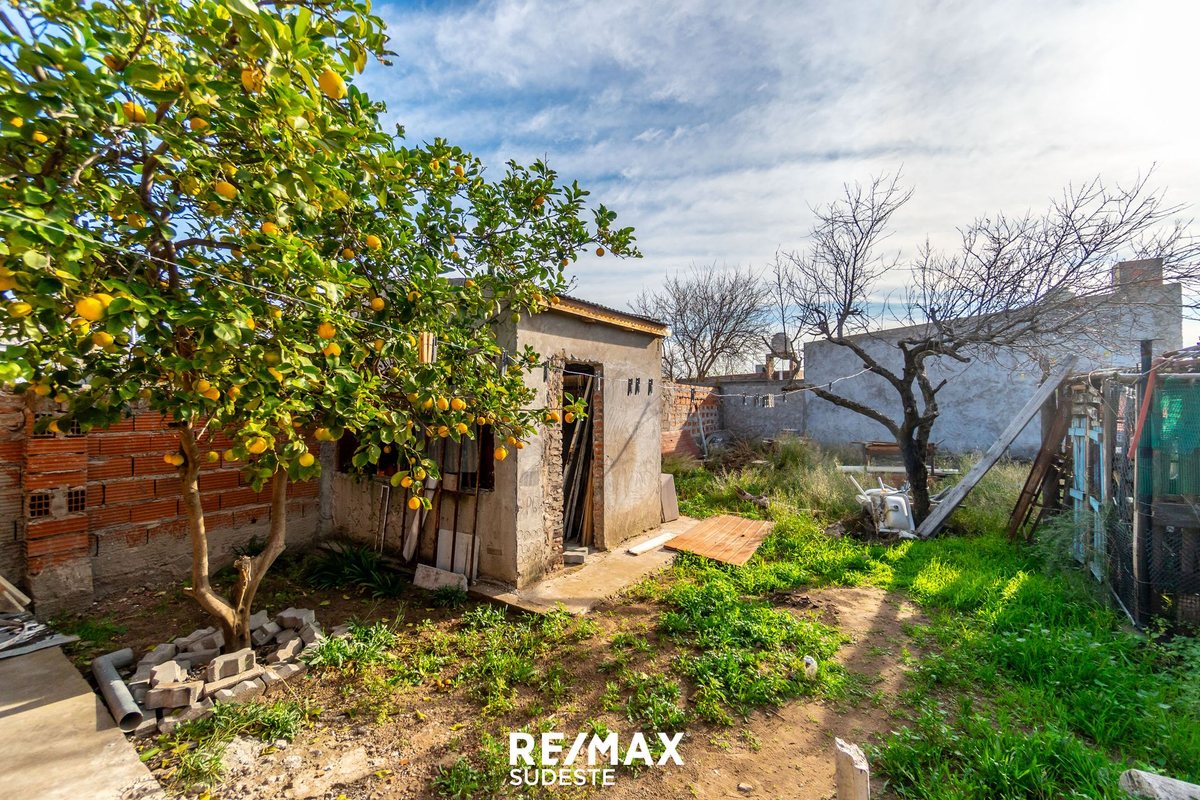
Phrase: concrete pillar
x=852 y=772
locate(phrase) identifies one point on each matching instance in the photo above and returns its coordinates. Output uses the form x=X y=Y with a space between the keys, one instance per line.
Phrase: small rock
x=161 y=653
x=810 y=667
x=167 y=672
x=745 y=787
x=259 y=618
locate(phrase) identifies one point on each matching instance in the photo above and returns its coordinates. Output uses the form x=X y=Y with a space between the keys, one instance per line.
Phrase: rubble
x=181 y=680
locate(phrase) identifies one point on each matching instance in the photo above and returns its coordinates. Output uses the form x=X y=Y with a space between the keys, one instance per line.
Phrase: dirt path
x=789 y=754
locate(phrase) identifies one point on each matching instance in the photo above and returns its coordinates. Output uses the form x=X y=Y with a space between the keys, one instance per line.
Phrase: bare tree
x=1013 y=285
x=716 y=318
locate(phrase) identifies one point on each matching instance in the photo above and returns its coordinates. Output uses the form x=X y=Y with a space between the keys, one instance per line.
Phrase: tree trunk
x=917 y=472
x=233 y=614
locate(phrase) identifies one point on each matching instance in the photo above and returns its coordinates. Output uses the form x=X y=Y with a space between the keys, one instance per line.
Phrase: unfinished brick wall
x=12 y=509
x=685 y=409
x=552 y=469
x=103 y=511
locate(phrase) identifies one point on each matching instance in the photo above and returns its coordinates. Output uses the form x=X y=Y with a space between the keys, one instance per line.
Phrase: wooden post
x=852 y=772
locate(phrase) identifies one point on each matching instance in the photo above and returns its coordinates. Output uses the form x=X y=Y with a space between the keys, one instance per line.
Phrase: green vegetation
x=97 y=635
x=196 y=747
x=1028 y=687
x=351 y=566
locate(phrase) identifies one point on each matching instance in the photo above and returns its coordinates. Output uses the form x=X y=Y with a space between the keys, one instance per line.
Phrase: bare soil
x=353 y=749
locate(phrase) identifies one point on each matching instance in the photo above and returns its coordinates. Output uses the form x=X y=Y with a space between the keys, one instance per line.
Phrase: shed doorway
x=578 y=436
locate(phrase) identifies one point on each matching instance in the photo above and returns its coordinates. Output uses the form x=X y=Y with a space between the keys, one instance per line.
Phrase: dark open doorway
x=579 y=381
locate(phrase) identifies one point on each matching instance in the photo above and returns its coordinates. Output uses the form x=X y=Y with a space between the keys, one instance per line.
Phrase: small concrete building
x=592 y=482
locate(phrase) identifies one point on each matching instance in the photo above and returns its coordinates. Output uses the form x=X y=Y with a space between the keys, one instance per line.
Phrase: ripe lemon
x=443 y=431
x=326 y=330
x=276 y=374
x=378 y=304
x=332 y=84
x=333 y=349
x=133 y=111
x=17 y=122
x=7 y=282
x=202 y=386
x=378 y=345
x=347 y=252
x=257 y=445
x=112 y=62
x=406 y=481
x=442 y=403
x=40 y=137
x=374 y=242
x=307 y=460
x=414 y=503
x=90 y=308
x=427 y=403
x=213 y=456
x=551 y=416
x=19 y=309
x=511 y=440
x=226 y=189
x=102 y=338
x=229 y=456
x=105 y=299
x=323 y=434
x=599 y=251
x=252 y=79
x=500 y=453
x=213 y=394
x=197 y=123
x=233 y=392
x=41 y=389
x=174 y=459
x=568 y=417
x=269 y=228
x=419 y=474
x=481 y=420
x=461 y=427
x=458 y=170
x=458 y=404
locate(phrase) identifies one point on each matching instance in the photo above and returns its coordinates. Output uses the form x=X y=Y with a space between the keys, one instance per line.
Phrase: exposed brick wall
x=12 y=501
x=552 y=470
x=596 y=409
x=684 y=409
x=107 y=504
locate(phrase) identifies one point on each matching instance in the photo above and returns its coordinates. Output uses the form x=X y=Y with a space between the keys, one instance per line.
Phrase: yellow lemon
x=252 y=79
x=442 y=404
x=105 y=299
x=269 y=228
x=419 y=474
x=414 y=503
x=347 y=252
x=102 y=338
x=511 y=440
x=458 y=404
x=374 y=242
x=212 y=394
x=276 y=374
x=599 y=251
x=53 y=427
x=427 y=403
x=17 y=122
x=406 y=481
x=332 y=84
x=500 y=453
x=257 y=445
x=133 y=111
x=551 y=416
x=202 y=386
x=568 y=417
x=378 y=304
x=481 y=420
x=326 y=330
x=307 y=460
x=233 y=392
x=443 y=431
x=229 y=456
x=322 y=434
x=225 y=189
x=212 y=456
x=197 y=123
x=41 y=389
x=461 y=427
x=378 y=345
x=90 y=308
x=40 y=137
x=19 y=309
x=333 y=349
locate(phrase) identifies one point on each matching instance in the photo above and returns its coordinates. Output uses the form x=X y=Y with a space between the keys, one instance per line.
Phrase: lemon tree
x=202 y=215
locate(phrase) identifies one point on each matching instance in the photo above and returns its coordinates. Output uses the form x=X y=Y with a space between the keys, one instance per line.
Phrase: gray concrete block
x=174 y=695
x=161 y=653
x=230 y=664
x=288 y=651
x=141 y=676
x=186 y=642
x=197 y=658
x=259 y=618
x=260 y=636
x=289 y=670
x=148 y=726
x=296 y=618
x=433 y=578
x=213 y=641
x=286 y=635
x=212 y=687
x=167 y=672
x=574 y=555
x=311 y=633
x=198 y=710
x=247 y=690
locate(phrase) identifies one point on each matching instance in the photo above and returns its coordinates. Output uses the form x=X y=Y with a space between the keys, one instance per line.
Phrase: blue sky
x=713 y=127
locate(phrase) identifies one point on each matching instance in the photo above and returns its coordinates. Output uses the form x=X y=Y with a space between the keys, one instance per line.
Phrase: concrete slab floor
x=603 y=575
x=57 y=739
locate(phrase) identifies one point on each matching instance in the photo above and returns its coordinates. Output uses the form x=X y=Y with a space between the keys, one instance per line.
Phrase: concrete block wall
x=760 y=409
x=102 y=511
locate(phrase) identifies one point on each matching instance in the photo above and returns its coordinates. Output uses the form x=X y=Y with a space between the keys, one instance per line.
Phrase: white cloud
x=713 y=127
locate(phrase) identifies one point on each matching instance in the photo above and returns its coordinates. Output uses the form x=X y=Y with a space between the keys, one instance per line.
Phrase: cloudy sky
x=713 y=127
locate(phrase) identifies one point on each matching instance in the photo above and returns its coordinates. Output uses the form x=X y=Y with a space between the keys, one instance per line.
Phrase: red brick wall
x=684 y=409
x=108 y=495
x=12 y=509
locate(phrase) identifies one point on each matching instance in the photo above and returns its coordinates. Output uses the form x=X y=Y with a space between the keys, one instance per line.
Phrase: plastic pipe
x=116 y=694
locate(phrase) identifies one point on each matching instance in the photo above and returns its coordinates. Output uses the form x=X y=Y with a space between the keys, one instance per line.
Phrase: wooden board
x=946 y=507
x=729 y=539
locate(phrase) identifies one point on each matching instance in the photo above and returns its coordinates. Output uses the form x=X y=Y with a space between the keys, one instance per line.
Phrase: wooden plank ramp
x=726 y=538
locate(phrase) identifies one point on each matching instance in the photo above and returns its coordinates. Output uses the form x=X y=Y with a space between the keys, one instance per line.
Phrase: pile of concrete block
x=182 y=680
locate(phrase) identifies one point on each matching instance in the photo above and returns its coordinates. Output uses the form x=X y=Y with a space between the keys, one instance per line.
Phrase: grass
x=1029 y=687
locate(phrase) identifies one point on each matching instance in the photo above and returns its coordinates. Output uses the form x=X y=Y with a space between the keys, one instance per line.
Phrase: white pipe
x=116 y=694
